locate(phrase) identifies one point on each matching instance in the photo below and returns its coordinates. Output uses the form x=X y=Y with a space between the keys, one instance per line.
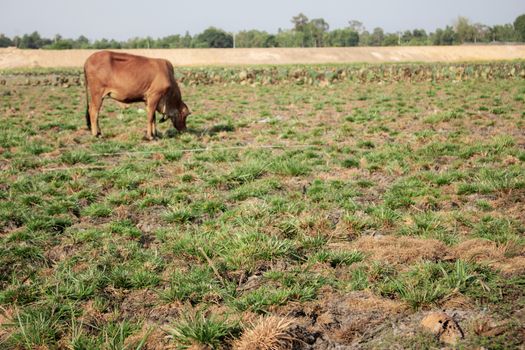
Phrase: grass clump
x=337 y=258
x=428 y=283
x=198 y=329
x=197 y=285
x=281 y=288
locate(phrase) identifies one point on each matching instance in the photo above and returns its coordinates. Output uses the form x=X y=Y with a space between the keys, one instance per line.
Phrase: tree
x=449 y=36
x=32 y=41
x=503 y=33
x=481 y=32
x=519 y=27
x=356 y=26
x=170 y=41
x=107 y=44
x=187 y=40
x=419 y=37
x=289 y=38
x=60 y=43
x=5 y=41
x=318 y=28
x=444 y=37
x=251 y=38
x=406 y=37
x=214 y=38
x=82 y=42
x=271 y=41
x=465 y=30
x=377 y=36
x=365 y=38
x=306 y=29
x=300 y=22
x=343 y=37
x=133 y=43
x=390 y=39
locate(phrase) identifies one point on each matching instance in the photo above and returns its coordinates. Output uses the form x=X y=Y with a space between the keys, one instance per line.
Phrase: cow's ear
x=185 y=110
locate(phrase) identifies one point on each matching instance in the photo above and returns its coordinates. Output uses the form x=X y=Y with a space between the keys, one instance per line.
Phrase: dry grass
x=6 y=317
x=151 y=336
x=509 y=258
x=401 y=250
x=366 y=301
x=269 y=333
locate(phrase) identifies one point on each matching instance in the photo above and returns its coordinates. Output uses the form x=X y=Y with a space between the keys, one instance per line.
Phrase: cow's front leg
x=156 y=133
x=151 y=131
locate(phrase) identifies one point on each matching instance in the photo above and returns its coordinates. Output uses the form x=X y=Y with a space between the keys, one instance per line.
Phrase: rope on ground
x=203 y=149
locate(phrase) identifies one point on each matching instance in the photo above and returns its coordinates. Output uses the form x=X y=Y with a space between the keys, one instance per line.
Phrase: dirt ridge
x=17 y=58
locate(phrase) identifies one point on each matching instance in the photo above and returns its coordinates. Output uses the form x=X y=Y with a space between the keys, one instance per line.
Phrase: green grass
x=209 y=331
x=196 y=286
x=279 y=289
x=428 y=283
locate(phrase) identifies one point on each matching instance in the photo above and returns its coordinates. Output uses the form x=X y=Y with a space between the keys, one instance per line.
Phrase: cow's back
x=126 y=74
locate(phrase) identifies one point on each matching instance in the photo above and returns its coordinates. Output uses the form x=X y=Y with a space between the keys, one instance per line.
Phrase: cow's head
x=179 y=115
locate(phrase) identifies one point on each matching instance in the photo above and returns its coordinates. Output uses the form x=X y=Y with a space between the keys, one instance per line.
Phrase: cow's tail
x=88 y=118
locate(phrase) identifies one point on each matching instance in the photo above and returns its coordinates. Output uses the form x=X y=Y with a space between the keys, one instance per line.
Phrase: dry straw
x=269 y=333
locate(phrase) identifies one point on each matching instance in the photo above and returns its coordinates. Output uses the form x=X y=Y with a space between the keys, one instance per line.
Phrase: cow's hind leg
x=94 y=108
x=88 y=119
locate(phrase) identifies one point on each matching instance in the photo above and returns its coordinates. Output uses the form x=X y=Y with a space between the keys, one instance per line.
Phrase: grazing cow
x=130 y=78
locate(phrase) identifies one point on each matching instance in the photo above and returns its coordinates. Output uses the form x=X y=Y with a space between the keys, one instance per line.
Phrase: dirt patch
x=343 y=320
x=512 y=202
x=472 y=322
x=400 y=250
x=145 y=305
x=138 y=304
x=156 y=338
x=61 y=252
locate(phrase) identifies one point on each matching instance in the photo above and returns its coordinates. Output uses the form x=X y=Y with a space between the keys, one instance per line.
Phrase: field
x=307 y=213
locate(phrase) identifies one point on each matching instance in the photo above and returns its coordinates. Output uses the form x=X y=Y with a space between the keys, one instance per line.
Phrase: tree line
x=304 y=33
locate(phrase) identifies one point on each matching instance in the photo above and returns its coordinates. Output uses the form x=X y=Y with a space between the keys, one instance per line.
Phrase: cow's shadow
x=217 y=129
x=206 y=131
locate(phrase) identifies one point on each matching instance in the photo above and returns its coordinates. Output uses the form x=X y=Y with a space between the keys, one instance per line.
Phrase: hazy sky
x=124 y=19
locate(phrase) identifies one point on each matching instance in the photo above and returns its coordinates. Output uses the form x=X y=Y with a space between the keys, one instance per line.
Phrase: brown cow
x=130 y=78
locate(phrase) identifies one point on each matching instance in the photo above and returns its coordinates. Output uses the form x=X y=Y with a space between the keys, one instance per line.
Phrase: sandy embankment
x=15 y=58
